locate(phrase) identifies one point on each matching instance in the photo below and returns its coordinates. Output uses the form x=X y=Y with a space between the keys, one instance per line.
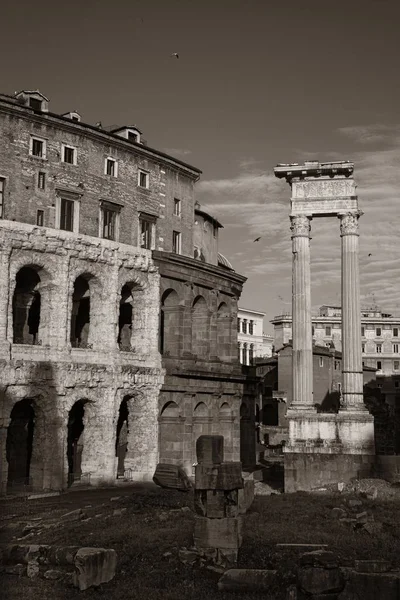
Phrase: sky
x=257 y=83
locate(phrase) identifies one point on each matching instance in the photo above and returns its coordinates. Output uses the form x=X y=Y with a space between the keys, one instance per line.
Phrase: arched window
x=171 y=434
x=200 y=328
x=170 y=324
x=19 y=443
x=75 y=441
x=223 y=332
x=125 y=318
x=80 y=318
x=121 y=442
x=26 y=307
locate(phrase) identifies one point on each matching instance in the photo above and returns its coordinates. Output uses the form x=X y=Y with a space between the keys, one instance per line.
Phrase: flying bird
x=370 y=254
x=257 y=239
x=175 y=55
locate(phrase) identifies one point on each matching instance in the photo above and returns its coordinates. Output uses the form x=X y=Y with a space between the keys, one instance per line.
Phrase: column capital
x=349 y=222
x=300 y=226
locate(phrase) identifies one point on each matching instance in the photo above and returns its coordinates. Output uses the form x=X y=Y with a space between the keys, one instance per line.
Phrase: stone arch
x=171 y=315
x=201 y=423
x=225 y=428
x=121 y=442
x=75 y=439
x=125 y=316
x=225 y=410
x=200 y=410
x=85 y=287
x=19 y=443
x=30 y=294
x=200 y=328
x=223 y=331
x=171 y=434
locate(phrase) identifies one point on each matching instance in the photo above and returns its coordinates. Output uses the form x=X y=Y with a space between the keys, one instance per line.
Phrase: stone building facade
x=111 y=326
x=253 y=343
x=380 y=335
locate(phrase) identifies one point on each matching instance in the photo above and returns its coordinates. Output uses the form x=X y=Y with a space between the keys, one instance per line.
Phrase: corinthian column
x=302 y=366
x=352 y=390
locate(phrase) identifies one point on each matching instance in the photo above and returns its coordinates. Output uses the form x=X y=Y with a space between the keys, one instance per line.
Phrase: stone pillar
x=352 y=388
x=302 y=365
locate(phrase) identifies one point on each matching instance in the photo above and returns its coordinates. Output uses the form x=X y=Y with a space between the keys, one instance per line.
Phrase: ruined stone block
x=210 y=449
x=226 y=476
x=94 y=566
x=247 y=580
x=171 y=477
x=246 y=495
x=372 y=566
x=317 y=580
x=371 y=586
x=218 y=533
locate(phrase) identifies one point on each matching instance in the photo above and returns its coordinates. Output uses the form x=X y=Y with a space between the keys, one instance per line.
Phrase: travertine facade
x=118 y=343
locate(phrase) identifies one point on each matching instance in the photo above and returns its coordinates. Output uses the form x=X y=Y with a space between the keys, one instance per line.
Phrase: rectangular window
x=321 y=361
x=109 y=220
x=379 y=365
x=132 y=137
x=244 y=326
x=395 y=348
x=378 y=332
x=176 y=242
x=328 y=330
x=69 y=155
x=41 y=180
x=147 y=224
x=111 y=167
x=35 y=103
x=379 y=348
x=251 y=327
x=396 y=365
x=143 y=179
x=177 y=207
x=363 y=348
x=362 y=331
x=67 y=214
x=40 y=218
x=2 y=188
x=38 y=147
x=395 y=332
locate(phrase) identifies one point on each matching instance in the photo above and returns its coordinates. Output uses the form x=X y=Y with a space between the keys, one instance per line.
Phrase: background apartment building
x=379 y=335
x=252 y=341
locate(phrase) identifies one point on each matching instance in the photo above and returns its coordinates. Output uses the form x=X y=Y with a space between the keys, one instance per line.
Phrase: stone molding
x=349 y=223
x=300 y=226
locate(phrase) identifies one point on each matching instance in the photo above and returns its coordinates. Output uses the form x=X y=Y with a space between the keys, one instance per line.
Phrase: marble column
x=352 y=373
x=302 y=363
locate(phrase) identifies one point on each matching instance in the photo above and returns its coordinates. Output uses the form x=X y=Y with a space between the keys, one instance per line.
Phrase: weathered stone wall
x=87 y=181
x=205 y=391
x=51 y=376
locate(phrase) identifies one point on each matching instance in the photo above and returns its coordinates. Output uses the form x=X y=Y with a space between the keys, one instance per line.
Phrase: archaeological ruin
x=325 y=448
x=118 y=342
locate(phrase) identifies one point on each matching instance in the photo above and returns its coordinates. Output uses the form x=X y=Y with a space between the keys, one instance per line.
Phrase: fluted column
x=302 y=365
x=352 y=374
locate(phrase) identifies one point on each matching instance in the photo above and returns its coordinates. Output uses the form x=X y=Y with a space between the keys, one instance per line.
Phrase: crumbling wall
x=56 y=373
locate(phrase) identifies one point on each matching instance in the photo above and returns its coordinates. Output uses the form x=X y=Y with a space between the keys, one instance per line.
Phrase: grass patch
x=152 y=525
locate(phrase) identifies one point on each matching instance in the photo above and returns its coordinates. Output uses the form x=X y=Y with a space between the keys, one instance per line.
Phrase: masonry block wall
x=60 y=404
x=204 y=391
x=85 y=315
